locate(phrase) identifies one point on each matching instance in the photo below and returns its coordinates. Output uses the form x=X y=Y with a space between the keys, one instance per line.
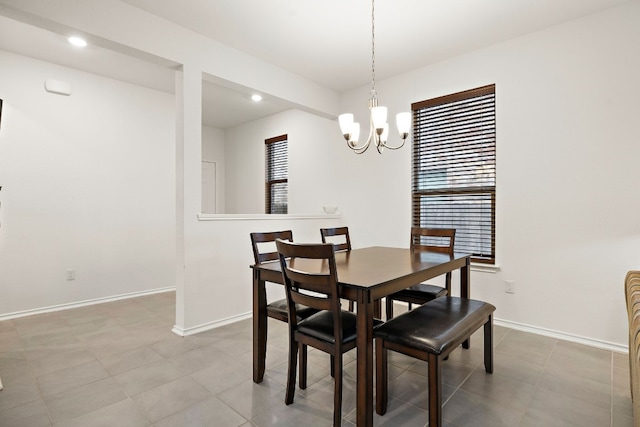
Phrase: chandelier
x=378 y=126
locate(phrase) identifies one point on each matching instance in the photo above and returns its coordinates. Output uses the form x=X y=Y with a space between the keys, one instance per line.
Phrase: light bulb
x=355 y=132
x=379 y=117
x=403 y=121
x=346 y=124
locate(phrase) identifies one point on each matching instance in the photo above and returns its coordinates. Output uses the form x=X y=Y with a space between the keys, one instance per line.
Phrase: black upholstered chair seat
x=320 y=326
x=437 y=325
x=421 y=292
x=280 y=307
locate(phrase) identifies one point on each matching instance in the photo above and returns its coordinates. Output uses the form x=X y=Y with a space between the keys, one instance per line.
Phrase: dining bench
x=430 y=332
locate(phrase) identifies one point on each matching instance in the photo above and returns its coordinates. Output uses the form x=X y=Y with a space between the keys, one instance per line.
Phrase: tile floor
x=118 y=364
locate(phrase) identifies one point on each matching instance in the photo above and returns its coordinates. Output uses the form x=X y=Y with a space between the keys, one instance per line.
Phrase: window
x=454 y=168
x=277 y=171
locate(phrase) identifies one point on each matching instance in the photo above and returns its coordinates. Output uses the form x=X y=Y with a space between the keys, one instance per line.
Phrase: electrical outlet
x=71 y=274
x=510 y=286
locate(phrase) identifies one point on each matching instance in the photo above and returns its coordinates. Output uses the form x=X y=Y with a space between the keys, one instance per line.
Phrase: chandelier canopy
x=378 y=126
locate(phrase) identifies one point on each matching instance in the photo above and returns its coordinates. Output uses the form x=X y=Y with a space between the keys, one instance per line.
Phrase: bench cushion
x=437 y=325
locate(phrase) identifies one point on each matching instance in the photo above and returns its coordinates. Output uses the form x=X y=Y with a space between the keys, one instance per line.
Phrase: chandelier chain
x=373 y=48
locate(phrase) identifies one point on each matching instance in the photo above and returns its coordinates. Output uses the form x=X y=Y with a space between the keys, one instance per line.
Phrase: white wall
x=218 y=278
x=314 y=172
x=88 y=183
x=567 y=153
x=213 y=151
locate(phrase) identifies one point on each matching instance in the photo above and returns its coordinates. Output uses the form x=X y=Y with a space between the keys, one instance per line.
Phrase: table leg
x=259 y=327
x=364 y=399
x=465 y=278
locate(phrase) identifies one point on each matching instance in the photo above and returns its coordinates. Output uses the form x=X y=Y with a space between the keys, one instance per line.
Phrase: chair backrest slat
x=319 y=303
x=312 y=282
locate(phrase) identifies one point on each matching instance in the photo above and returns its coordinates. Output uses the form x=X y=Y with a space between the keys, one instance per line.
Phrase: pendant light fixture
x=378 y=126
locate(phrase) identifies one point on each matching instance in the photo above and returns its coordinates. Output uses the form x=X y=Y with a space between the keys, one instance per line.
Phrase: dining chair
x=331 y=330
x=339 y=236
x=264 y=250
x=428 y=239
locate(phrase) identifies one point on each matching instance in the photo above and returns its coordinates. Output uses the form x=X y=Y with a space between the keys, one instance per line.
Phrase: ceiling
x=223 y=107
x=328 y=41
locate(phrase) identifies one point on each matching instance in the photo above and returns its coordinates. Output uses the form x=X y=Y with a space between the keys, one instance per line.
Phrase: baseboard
x=500 y=322
x=218 y=323
x=84 y=303
x=210 y=325
x=549 y=333
x=563 y=336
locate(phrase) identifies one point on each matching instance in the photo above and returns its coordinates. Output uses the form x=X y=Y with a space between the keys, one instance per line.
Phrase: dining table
x=365 y=276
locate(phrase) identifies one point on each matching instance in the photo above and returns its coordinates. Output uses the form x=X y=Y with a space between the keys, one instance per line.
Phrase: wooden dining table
x=365 y=275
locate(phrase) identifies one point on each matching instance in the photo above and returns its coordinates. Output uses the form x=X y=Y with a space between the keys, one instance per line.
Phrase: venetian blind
x=277 y=172
x=454 y=168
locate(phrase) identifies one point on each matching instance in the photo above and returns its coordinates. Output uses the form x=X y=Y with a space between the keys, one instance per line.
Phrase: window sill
x=485 y=268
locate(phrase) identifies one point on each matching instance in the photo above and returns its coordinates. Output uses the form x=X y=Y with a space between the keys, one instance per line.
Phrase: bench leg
x=435 y=391
x=488 y=345
x=381 y=378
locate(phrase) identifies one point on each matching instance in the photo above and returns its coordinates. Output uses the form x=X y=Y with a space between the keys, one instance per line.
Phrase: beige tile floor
x=118 y=364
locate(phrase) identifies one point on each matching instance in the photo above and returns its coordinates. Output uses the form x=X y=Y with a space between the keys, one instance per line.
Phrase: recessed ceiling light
x=256 y=98
x=77 y=41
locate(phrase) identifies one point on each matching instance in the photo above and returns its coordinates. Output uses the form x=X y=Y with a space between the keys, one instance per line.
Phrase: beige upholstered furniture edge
x=632 y=296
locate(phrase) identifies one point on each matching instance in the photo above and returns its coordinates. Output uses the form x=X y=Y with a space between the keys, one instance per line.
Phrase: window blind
x=277 y=172
x=454 y=168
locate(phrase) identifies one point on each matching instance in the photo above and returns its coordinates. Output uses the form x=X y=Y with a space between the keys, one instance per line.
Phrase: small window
x=454 y=168
x=277 y=172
